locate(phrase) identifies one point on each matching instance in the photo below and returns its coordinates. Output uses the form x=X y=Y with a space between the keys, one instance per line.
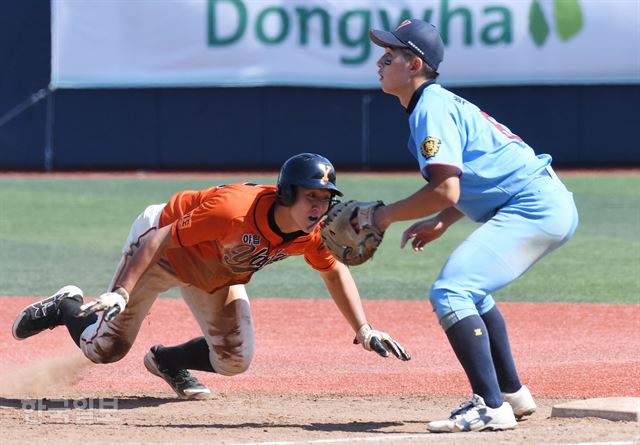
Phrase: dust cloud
x=43 y=377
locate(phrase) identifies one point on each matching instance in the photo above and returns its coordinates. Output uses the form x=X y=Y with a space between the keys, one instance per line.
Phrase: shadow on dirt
x=108 y=403
x=350 y=427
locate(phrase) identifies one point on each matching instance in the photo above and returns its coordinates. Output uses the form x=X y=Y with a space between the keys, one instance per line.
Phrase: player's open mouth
x=313 y=220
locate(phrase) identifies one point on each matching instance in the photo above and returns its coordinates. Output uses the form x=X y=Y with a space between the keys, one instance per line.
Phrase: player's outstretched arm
x=380 y=342
x=115 y=301
x=344 y=292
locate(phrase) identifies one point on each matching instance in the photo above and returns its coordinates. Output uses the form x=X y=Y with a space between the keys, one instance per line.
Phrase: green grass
x=55 y=231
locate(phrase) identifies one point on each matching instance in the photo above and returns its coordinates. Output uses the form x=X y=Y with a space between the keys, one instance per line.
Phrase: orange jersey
x=224 y=236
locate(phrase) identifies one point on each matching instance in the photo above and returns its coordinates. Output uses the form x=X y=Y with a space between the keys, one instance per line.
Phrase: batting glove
x=112 y=303
x=380 y=342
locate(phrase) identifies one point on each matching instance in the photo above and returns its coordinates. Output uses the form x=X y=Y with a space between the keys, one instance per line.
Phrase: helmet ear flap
x=286 y=194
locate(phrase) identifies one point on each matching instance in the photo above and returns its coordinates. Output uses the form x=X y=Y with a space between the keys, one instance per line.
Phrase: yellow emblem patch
x=477 y=332
x=429 y=147
x=326 y=169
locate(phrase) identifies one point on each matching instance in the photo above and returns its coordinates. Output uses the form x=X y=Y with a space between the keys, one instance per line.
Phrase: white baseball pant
x=224 y=316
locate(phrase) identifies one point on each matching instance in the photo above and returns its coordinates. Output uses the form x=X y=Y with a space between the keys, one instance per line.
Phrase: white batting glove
x=380 y=342
x=112 y=303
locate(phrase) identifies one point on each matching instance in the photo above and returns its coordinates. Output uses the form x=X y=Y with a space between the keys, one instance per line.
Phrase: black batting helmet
x=308 y=170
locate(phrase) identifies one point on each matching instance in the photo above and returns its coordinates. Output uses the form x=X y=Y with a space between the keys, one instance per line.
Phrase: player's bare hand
x=422 y=233
x=111 y=303
x=380 y=342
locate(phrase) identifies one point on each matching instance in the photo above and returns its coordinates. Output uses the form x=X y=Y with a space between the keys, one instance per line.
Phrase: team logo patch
x=326 y=169
x=405 y=23
x=477 y=332
x=429 y=147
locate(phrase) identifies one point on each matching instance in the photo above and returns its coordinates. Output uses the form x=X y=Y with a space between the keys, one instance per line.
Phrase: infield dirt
x=308 y=384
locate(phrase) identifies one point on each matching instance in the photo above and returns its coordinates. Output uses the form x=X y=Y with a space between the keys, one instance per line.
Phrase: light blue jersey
x=526 y=210
x=494 y=163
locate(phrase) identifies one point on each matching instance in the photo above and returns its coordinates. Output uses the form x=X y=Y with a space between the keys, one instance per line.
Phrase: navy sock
x=193 y=354
x=501 y=351
x=470 y=341
x=69 y=309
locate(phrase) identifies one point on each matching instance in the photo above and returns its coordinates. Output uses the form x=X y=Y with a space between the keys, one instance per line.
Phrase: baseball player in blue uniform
x=475 y=167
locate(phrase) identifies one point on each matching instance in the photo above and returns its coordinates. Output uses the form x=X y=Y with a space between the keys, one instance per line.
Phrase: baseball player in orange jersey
x=209 y=243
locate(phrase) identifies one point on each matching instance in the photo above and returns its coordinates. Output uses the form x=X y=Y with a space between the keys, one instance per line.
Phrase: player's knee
x=231 y=365
x=111 y=353
x=449 y=290
x=441 y=291
x=450 y=303
x=231 y=361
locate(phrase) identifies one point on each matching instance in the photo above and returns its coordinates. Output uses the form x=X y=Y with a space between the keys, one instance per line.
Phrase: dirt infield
x=309 y=385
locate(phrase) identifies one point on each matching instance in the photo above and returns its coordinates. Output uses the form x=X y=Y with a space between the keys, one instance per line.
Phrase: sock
x=501 y=351
x=470 y=341
x=69 y=308
x=193 y=354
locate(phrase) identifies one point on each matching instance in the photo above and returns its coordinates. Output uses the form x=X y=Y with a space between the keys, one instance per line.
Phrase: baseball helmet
x=308 y=170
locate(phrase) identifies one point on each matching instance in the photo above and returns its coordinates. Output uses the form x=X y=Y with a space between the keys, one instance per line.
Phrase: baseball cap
x=420 y=37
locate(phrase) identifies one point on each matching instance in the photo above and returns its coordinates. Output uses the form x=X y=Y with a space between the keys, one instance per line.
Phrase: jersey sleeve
x=208 y=221
x=435 y=138
x=317 y=255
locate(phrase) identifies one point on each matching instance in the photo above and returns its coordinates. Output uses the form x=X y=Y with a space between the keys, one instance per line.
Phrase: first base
x=610 y=408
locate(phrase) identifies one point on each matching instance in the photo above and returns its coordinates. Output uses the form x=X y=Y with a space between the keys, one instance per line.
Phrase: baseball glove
x=349 y=232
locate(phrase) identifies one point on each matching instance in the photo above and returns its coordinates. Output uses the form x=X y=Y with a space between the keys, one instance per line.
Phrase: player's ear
x=416 y=65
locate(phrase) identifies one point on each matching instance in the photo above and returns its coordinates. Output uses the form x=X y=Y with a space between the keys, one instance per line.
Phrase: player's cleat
x=474 y=415
x=521 y=401
x=44 y=314
x=185 y=384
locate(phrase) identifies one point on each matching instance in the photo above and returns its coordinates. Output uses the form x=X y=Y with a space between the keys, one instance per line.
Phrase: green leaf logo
x=538 y=27
x=568 y=19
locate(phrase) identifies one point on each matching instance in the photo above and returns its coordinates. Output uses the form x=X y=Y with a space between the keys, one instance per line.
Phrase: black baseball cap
x=420 y=37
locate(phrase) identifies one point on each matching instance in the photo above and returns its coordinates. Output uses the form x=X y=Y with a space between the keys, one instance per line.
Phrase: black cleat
x=44 y=314
x=185 y=384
